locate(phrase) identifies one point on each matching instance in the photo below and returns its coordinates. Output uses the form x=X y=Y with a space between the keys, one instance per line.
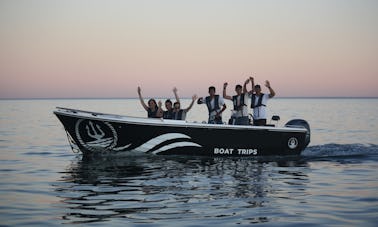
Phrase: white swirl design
x=122 y=148
x=147 y=146
x=175 y=145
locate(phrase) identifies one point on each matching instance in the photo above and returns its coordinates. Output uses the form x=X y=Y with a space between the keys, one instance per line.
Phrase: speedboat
x=94 y=133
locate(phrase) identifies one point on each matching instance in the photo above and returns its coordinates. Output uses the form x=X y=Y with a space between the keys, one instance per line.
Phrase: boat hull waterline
x=98 y=133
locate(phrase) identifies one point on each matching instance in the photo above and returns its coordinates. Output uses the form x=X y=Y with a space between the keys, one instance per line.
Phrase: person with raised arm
x=215 y=105
x=168 y=114
x=153 y=110
x=178 y=113
x=259 y=101
x=240 y=112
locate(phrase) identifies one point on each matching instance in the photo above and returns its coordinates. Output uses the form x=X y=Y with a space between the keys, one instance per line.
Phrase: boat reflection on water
x=166 y=190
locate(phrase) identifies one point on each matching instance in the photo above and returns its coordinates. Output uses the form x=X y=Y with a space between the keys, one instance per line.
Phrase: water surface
x=333 y=182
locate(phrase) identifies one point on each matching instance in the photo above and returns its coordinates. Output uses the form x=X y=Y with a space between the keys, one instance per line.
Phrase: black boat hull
x=96 y=133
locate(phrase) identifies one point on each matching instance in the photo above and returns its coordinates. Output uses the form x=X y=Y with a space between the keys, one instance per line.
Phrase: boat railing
x=76 y=111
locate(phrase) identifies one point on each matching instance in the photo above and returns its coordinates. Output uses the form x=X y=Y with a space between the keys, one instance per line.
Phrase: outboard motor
x=300 y=123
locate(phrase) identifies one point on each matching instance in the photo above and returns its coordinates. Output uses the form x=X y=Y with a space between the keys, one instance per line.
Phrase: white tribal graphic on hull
x=99 y=136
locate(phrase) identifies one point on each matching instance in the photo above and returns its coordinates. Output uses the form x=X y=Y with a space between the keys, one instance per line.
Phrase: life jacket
x=168 y=114
x=235 y=101
x=216 y=103
x=259 y=101
x=151 y=113
x=177 y=115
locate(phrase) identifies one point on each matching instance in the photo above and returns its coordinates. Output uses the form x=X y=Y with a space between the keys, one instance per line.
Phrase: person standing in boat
x=240 y=113
x=168 y=114
x=153 y=110
x=215 y=105
x=259 y=101
x=180 y=114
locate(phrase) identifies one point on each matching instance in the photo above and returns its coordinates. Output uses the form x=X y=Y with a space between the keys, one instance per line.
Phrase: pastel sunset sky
x=77 y=48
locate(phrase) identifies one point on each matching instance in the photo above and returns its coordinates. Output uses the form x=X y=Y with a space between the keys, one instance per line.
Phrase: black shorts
x=259 y=122
x=215 y=120
x=239 y=121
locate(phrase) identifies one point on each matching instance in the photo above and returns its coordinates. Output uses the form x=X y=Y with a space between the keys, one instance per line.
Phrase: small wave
x=332 y=149
x=38 y=153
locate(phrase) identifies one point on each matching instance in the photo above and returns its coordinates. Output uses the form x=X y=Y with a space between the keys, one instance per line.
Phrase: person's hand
x=267 y=84
x=225 y=85
x=194 y=97
x=251 y=79
x=159 y=103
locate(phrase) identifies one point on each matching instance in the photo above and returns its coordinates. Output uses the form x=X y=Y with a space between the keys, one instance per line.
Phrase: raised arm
x=141 y=99
x=225 y=96
x=252 y=84
x=271 y=91
x=160 y=110
x=191 y=104
x=245 y=86
x=176 y=96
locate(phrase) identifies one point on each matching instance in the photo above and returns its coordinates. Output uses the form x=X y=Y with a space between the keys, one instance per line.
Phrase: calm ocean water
x=333 y=183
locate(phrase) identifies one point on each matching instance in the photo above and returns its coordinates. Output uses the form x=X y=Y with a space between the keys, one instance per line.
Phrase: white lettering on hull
x=247 y=151
x=223 y=151
x=232 y=151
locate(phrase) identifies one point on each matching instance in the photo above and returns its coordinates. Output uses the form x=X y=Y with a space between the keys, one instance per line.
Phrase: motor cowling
x=300 y=123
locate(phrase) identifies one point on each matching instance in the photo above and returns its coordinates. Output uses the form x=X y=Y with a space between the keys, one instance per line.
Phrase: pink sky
x=107 y=48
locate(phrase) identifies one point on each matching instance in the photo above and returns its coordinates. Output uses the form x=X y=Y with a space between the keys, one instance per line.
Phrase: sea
x=334 y=182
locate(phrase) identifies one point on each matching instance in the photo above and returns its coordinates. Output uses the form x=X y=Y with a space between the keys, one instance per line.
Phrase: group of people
x=173 y=111
x=216 y=105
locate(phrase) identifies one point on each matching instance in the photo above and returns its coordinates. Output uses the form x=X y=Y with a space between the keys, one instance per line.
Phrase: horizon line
x=289 y=97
